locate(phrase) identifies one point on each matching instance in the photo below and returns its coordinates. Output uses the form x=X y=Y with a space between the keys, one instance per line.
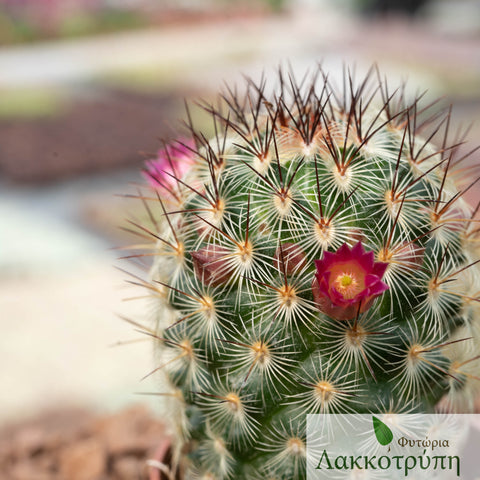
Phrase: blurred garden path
x=300 y=33
x=188 y=47
x=206 y=55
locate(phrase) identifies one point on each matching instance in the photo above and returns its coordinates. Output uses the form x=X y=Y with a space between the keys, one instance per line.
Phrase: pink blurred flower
x=172 y=163
x=347 y=281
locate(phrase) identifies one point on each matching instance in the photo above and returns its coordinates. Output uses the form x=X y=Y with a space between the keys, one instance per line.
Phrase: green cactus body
x=316 y=256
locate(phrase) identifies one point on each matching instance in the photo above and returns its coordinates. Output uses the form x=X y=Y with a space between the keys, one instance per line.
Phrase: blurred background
x=88 y=88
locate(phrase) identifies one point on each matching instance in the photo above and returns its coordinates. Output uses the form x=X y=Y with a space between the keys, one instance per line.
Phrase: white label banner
x=393 y=446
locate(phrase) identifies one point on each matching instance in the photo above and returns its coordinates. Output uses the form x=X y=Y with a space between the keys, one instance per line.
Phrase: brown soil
x=78 y=445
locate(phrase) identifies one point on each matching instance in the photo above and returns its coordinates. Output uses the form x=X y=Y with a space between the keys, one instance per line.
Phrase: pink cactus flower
x=347 y=281
x=172 y=162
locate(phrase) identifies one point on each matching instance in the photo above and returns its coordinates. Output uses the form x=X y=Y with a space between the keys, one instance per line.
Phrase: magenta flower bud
x=347 y=282
x=172 y=162
x=293 y=257
x=211 y=264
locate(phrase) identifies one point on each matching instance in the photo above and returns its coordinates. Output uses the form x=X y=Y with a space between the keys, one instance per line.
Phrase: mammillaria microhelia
x=316 y=256
x=347 y=282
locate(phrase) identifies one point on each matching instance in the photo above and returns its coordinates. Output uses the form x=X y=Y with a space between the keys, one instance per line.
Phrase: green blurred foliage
x=30 y=103
x=21 y=26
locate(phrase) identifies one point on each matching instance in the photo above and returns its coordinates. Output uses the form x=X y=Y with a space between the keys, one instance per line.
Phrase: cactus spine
x=317 y=255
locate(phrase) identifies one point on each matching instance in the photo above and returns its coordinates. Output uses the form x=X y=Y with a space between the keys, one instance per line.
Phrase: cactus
x=316 y=255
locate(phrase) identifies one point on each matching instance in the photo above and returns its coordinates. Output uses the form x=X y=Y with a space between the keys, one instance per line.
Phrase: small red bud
x=211 y=264
x=293 y=256
x=356 y=235
x=410 y=254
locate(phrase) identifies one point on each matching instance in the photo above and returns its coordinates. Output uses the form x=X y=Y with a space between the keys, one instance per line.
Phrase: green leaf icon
x=382 y=432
